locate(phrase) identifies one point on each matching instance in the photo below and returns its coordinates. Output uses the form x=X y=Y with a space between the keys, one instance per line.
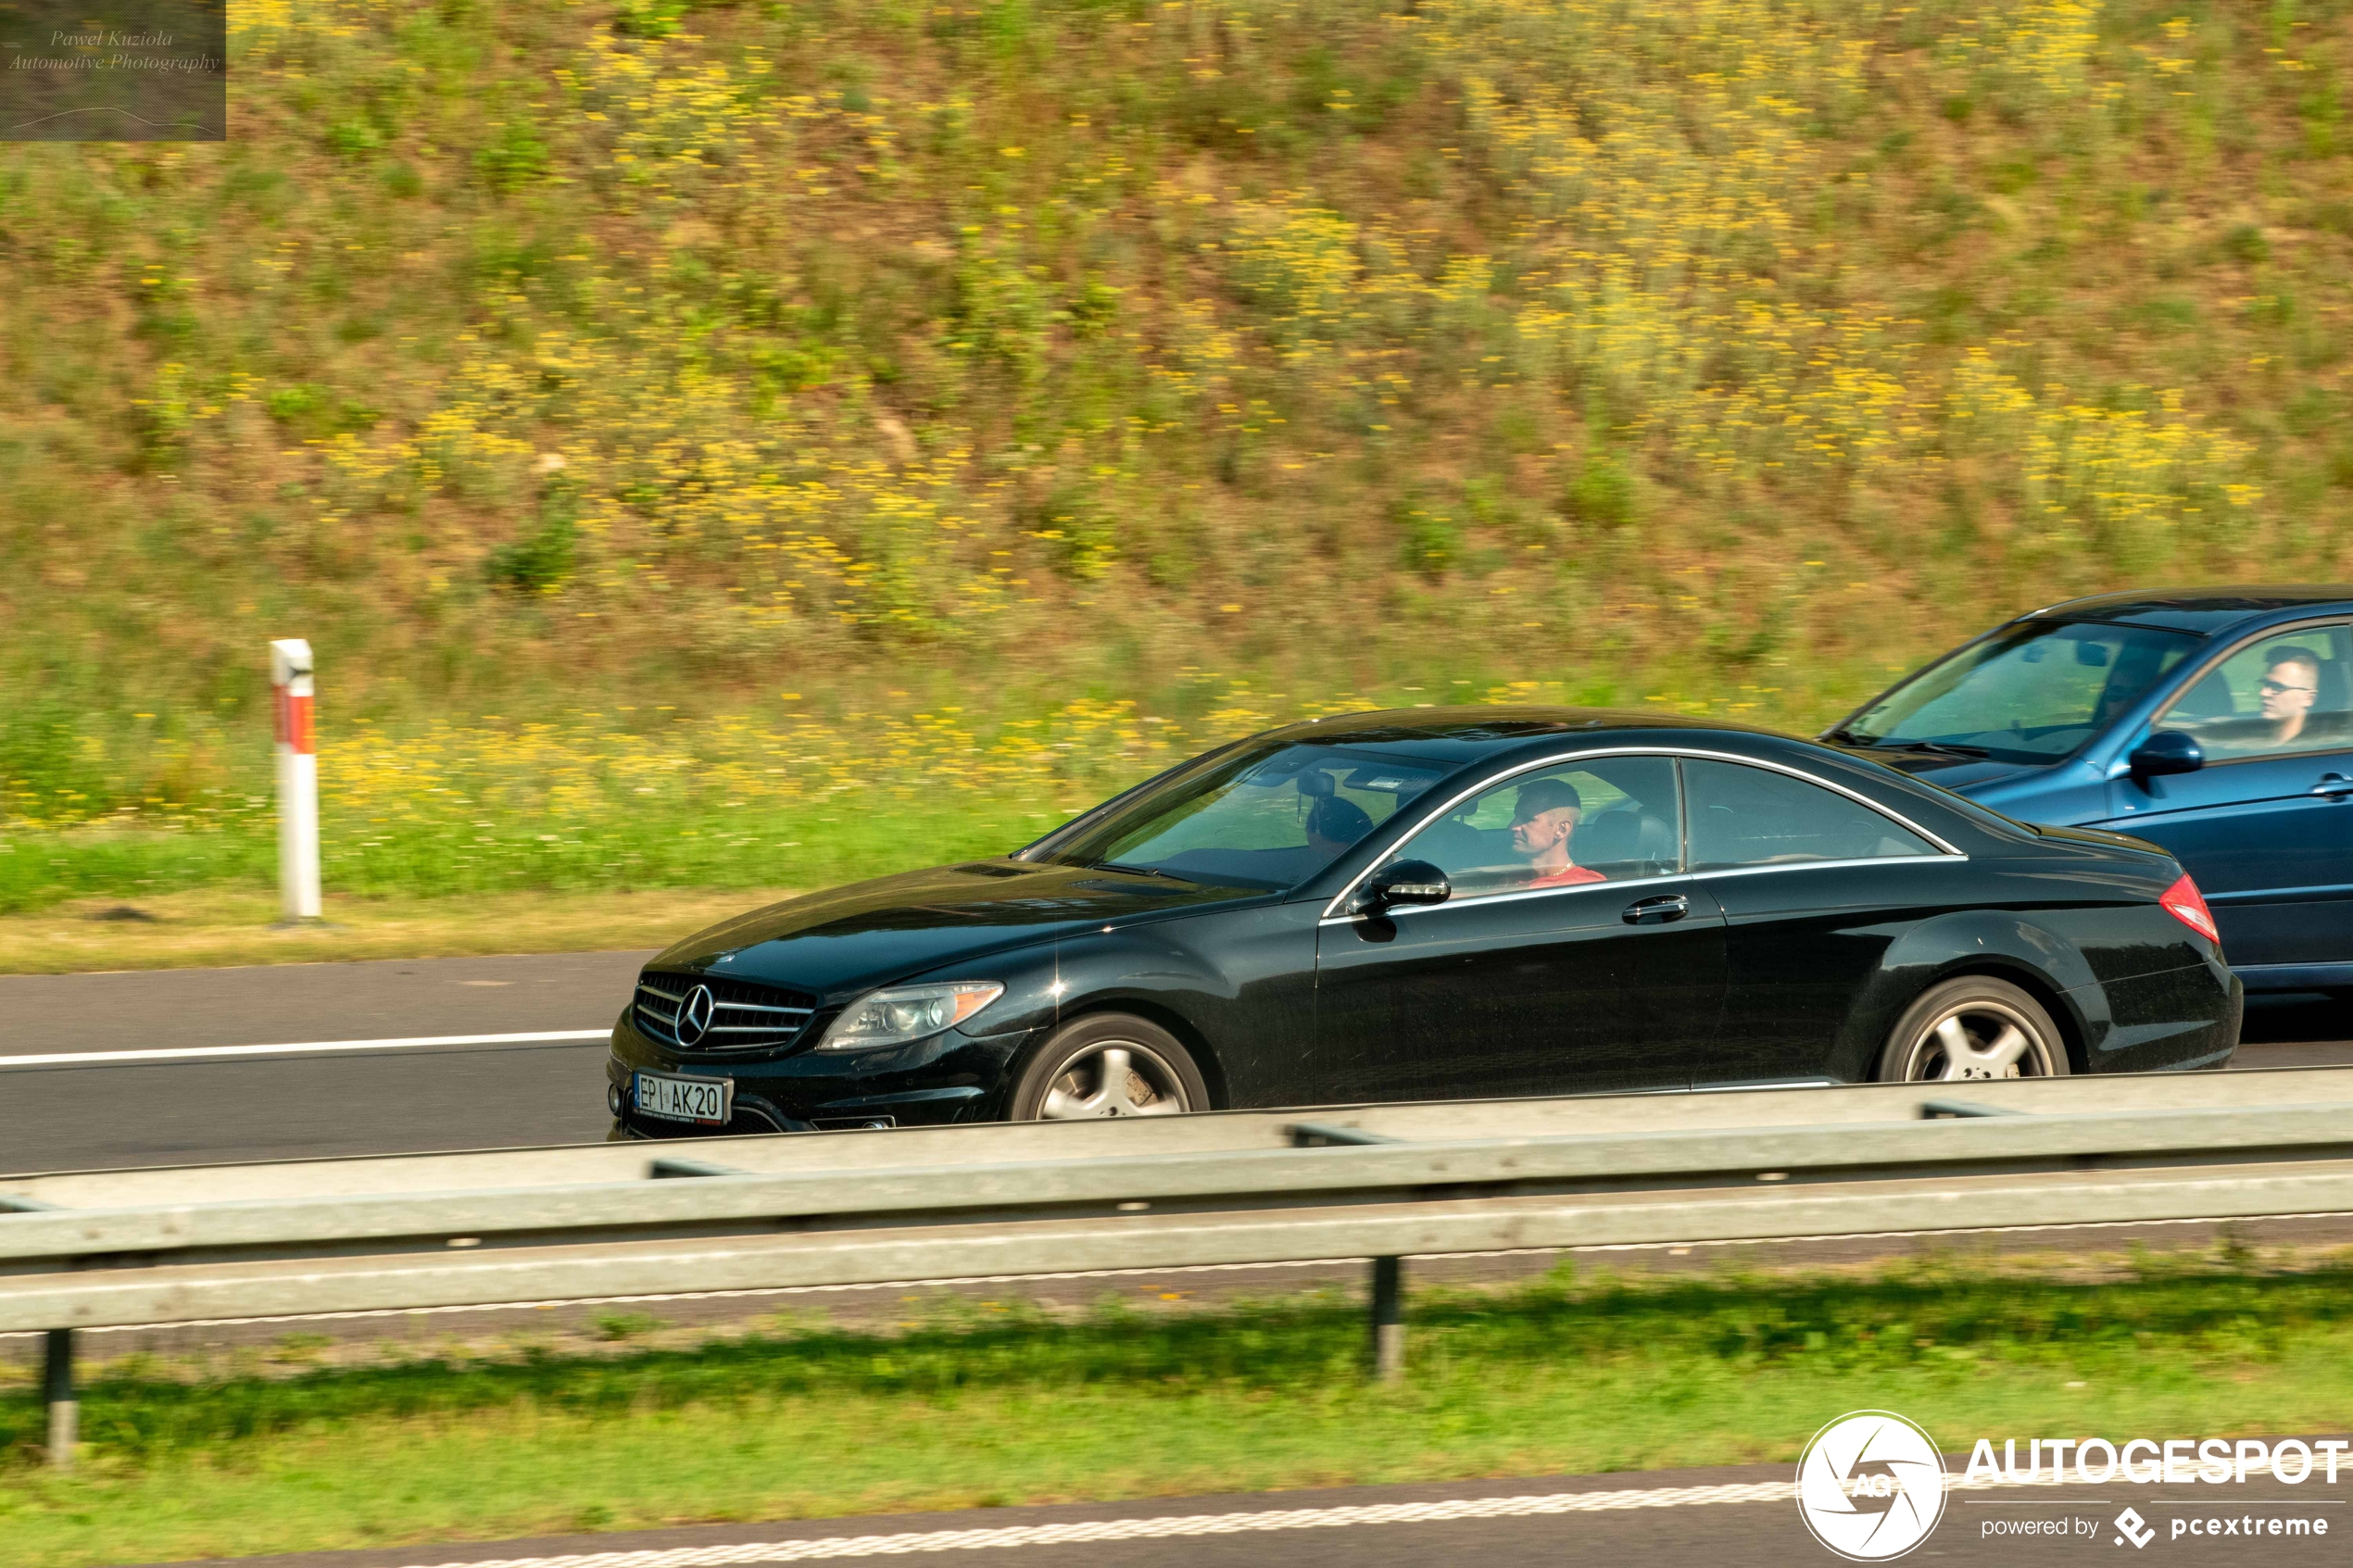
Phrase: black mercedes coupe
x=1441 y=904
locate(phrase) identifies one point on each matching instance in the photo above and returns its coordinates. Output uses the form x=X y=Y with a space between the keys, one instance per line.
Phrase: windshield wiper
x=1845 y=737
x=1140 y=870
x=1941 y=747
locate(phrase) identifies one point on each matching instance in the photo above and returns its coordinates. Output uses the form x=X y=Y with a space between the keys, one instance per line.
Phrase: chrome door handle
x=2332 y=785
x=1662 y=911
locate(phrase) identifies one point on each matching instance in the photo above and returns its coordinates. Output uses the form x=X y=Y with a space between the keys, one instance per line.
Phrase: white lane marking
x=1164 y=1527
x=302 y=1047
x=1169 y=1526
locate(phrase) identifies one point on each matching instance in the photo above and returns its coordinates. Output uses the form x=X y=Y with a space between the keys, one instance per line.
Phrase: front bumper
x=949 y=1077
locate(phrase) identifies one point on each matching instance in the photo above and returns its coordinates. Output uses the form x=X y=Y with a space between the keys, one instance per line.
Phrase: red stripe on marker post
x=292 y=694
x=294 y=722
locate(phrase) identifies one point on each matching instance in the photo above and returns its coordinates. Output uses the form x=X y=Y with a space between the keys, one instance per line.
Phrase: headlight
x=907 y=1012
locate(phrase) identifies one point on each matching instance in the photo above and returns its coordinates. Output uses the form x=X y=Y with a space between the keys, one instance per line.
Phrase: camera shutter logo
x=694 y=1015
x=1871 y=1485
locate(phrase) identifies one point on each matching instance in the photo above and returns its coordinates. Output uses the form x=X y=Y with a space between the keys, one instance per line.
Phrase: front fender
x=1237 y=986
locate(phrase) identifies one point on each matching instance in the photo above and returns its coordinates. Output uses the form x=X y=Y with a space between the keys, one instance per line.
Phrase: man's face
x=1533 y=835
x=2288 y=689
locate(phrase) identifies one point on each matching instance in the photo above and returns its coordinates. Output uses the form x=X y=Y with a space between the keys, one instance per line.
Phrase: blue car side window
x=2276 y=695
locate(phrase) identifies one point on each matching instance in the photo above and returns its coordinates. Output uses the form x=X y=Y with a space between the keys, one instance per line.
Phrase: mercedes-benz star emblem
x=694 y=1015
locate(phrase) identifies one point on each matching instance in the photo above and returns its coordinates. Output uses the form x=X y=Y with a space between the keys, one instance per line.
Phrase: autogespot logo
x=1871 y=1485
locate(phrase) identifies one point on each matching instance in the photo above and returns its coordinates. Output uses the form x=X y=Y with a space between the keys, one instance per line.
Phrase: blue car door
x=2265 y=827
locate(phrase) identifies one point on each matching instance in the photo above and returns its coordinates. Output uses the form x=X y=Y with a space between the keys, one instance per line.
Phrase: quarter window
x=2283 y=693
x=1598 y=819
x=1743 y=816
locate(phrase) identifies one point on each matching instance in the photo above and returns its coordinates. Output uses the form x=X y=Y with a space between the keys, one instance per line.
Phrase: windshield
x=1270 y=817
x=2032 y=693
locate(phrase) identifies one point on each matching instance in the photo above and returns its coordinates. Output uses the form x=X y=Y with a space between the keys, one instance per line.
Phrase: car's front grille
x=743 y=1016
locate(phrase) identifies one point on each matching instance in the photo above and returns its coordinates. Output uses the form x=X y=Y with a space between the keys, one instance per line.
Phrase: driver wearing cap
x=1543 y=819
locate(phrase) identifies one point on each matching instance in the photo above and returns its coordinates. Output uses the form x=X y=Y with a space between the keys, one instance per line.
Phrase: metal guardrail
x=122 y=1249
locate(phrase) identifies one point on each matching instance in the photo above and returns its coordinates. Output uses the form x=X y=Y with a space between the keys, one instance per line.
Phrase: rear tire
x=1110 y=1064
x=1972 y=1029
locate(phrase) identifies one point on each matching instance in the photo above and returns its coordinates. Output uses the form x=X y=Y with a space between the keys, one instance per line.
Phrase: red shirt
x=1568 y=876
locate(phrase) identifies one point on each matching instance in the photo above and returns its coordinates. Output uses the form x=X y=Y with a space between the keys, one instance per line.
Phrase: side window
x=1755 y=816
x=1602 y=820
x=2286 y=692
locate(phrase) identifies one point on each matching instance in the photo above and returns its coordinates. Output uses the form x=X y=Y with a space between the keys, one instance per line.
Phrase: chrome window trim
x=1833 y=865
x=1946 y=850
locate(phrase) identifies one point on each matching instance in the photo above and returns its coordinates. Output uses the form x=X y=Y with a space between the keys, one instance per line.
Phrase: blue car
x=2216 y=723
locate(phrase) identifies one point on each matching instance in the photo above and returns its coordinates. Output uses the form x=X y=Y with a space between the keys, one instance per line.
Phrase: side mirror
x=2168 y=751
x=1403 y=881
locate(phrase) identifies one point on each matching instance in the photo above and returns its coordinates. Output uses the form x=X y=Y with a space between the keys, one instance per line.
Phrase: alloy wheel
x=1114 y=1078
x=1979 y=1039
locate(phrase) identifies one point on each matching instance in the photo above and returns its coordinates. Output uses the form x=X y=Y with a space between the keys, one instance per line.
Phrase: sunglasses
x=2274 y=688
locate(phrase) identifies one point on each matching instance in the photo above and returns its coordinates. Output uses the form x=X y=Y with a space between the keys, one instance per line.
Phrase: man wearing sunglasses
x=2291 y=680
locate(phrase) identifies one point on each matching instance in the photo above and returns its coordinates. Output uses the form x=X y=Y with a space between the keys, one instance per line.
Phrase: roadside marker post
x=292 y=690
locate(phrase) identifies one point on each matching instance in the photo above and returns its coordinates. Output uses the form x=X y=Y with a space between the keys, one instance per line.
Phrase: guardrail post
x=1389 y=1319
x=57 y=1391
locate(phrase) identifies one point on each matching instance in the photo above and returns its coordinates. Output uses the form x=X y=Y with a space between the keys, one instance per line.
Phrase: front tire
x=1972 y=1029
x=1107 y=1065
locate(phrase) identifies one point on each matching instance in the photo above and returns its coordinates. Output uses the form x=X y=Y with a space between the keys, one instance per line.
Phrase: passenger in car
x=1543 y=819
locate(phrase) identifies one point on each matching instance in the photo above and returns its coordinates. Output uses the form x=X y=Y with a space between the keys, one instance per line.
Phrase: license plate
x=684 y=1099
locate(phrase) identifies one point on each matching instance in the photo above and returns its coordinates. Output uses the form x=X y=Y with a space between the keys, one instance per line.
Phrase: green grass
x=652 y=847
x=980 y=1406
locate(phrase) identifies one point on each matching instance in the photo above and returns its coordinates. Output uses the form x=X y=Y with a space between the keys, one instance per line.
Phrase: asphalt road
x=307 y=1104
x=1661 y=1519
x=126 y=1105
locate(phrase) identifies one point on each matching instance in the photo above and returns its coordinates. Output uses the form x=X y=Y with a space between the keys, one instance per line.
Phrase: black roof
x=2198 y=609
x=1462 y=733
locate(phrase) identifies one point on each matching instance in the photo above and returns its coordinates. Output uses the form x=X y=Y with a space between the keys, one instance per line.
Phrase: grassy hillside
x=677 y=424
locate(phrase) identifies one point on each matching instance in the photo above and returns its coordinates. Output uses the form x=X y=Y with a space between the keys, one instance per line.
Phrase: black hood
x=847 y=940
